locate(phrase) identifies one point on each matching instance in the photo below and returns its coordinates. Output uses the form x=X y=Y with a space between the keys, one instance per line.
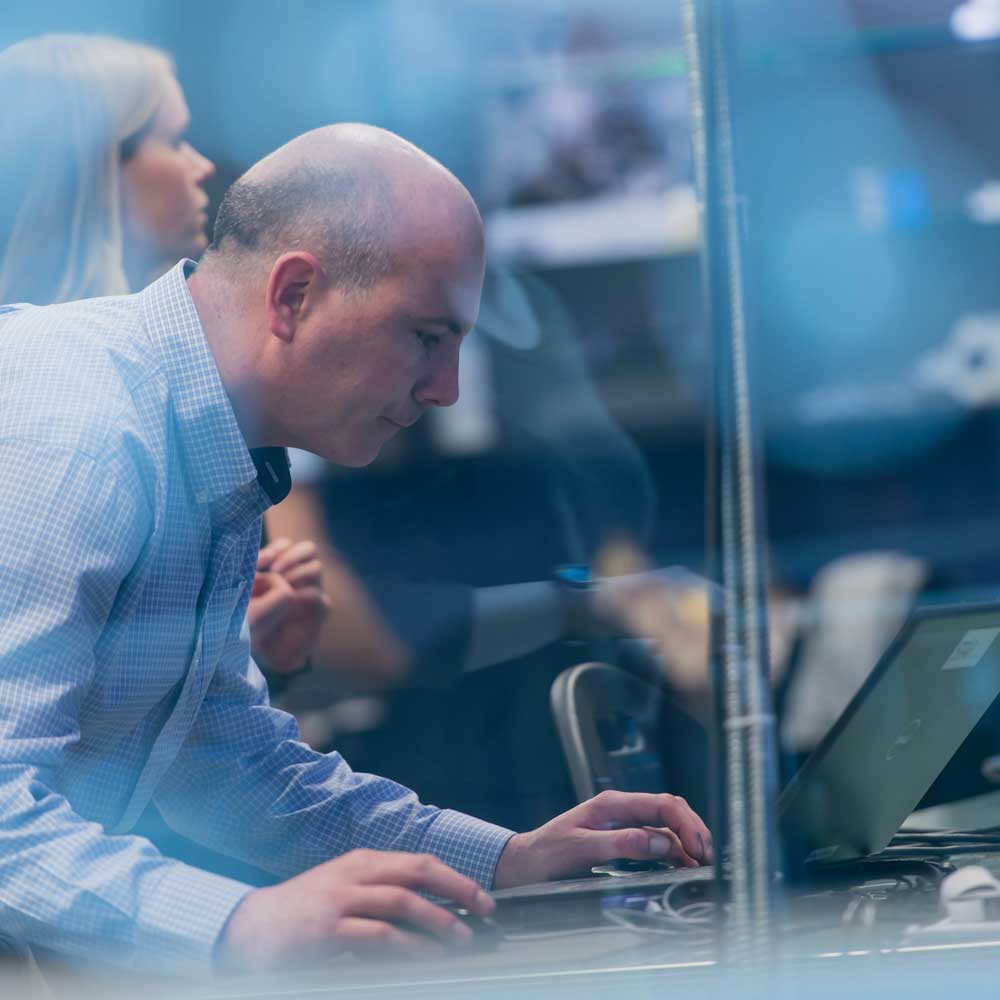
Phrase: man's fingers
x=314 y=597
x=306 y=573
x=292 y=555
x=426 y=873
x=664 y=845
x=399 y=905
x=267 y=608
x=271 y=551
x=636 y=844
x=613 y=809
x=363 y=936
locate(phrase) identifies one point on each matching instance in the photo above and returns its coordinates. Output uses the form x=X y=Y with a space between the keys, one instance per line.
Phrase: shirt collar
x=218 y=459
x=274 y=472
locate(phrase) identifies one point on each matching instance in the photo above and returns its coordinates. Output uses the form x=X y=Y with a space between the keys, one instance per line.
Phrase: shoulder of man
x=70 y=372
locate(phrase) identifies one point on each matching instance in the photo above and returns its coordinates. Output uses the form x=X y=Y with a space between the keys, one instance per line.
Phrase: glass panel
x=555 y=513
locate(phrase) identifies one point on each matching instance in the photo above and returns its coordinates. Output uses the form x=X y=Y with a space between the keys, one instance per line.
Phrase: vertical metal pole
x=745 y=731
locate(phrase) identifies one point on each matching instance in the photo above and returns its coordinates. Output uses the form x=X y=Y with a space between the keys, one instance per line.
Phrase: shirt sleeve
x=434 y=618
x=244 y=784
x=70 y=533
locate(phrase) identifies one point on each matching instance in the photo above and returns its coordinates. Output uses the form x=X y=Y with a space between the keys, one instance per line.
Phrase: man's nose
x=440 y=387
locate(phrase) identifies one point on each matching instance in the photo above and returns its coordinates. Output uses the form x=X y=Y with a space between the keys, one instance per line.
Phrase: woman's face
x=163 y=200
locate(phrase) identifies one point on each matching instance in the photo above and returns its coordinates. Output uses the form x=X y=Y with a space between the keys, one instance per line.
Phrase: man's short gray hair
x=342 y=215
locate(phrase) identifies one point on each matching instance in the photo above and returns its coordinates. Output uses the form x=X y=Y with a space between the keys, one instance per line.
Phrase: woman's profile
x=100 y=192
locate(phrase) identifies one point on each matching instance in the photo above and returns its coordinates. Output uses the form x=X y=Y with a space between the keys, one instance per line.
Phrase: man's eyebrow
x=449 y=324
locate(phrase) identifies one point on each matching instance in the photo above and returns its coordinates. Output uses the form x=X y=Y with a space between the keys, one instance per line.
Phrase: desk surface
x=614 y=966
x=830 y=960
x=839 y=963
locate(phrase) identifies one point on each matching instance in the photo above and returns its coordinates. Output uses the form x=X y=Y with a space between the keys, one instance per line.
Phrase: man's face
x=372 y=362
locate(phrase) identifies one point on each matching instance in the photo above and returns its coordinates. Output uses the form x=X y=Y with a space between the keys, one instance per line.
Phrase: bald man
x=328 y=314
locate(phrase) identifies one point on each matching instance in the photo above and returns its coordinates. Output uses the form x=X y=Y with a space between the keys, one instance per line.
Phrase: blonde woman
x=100 y=192
x=101 y=189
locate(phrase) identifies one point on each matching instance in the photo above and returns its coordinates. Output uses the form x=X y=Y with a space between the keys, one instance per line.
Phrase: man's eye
x=429 y=340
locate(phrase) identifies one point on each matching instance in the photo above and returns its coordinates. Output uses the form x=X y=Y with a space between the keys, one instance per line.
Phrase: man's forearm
x=76 y=890
x=513 y=620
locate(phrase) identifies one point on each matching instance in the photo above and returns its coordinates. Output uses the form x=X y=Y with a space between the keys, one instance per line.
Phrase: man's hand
x=672 y=607
x=287 y=604
x=611 y=825
x=362 y=902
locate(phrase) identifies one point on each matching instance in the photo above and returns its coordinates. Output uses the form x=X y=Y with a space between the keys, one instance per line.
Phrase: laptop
x=925 y=695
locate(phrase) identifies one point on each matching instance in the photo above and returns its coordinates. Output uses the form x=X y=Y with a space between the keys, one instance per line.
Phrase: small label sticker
x=971 y=648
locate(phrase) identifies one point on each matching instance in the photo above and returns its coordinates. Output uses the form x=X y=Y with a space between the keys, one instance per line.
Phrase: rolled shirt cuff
x=470 y=846
x=181 y=919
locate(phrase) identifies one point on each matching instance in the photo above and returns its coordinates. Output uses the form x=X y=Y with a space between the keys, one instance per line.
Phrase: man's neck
x=230 y=340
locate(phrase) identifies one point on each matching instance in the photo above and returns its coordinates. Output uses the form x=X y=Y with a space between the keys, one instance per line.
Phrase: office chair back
x=606 y=721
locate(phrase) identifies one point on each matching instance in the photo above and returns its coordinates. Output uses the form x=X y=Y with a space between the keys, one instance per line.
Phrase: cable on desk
x=664 y=915
x=546 y=935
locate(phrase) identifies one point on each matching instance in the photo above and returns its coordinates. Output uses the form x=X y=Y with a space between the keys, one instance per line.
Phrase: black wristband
x=277 y=682
x=573 y=584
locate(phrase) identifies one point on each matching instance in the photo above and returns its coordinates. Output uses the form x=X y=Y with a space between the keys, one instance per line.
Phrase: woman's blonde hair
x=68 y=103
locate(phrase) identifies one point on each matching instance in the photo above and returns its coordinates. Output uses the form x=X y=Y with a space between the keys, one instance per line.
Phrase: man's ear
x=292 y=289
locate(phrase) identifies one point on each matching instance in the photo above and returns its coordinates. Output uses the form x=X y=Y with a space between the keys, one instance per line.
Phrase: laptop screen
x=923 y=698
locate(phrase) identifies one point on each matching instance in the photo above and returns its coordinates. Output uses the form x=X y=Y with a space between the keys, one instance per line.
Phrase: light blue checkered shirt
x=129 y=523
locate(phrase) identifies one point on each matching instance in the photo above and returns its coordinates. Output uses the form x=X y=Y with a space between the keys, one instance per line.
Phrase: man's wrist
x=573 y=587
x=279 y=680
x=239 y=946
x=519 y=863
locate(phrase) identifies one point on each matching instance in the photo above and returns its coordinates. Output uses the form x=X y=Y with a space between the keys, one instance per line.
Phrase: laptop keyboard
x=608 y=883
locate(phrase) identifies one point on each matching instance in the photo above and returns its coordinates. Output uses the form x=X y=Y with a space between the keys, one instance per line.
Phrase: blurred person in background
x=128 y=543
x=101 y=188
x=101 y=192
x=463 y=557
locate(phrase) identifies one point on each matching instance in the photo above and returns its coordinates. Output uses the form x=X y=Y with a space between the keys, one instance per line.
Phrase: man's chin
x=363 y=449
x=356 y=463
x=353 y=458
